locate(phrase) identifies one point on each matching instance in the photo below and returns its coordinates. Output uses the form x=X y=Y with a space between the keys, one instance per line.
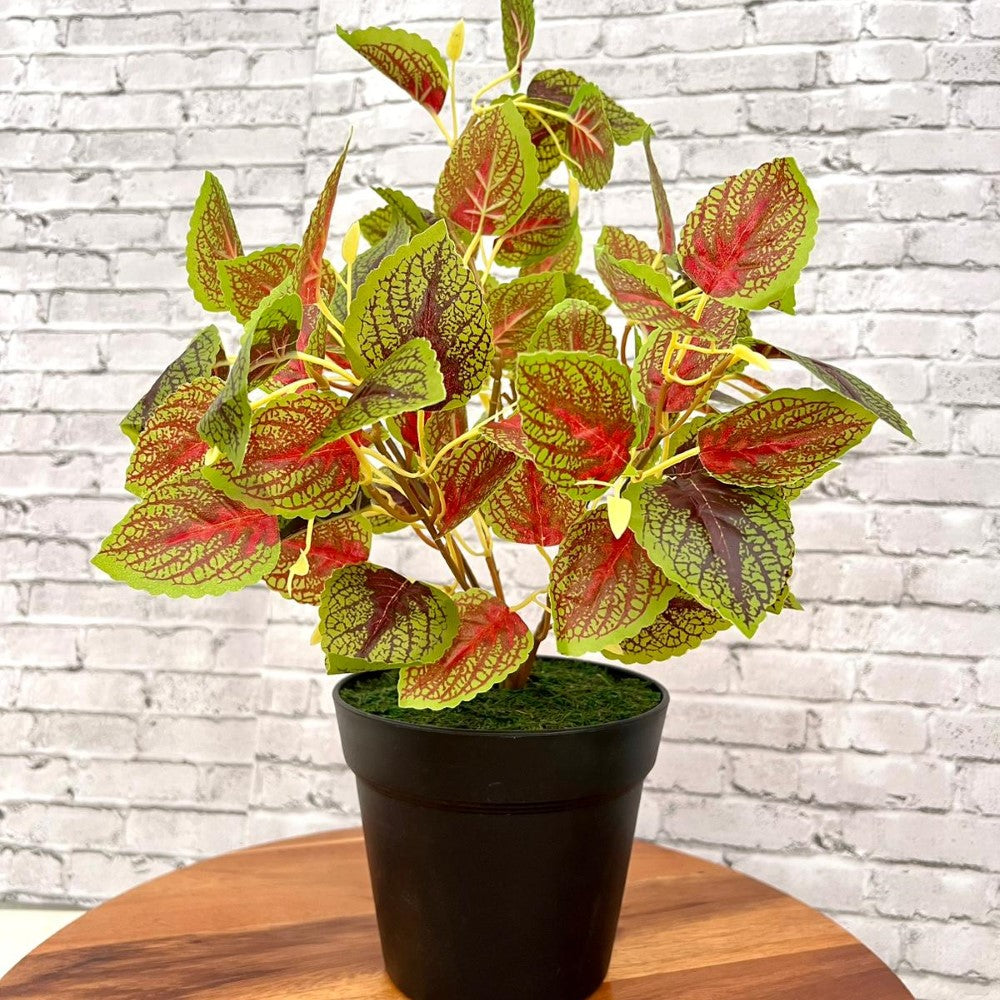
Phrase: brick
x=877 y=62
x=88 y=734
x=777 y=23
x=74 y=73
x=873 y=728
x=958 y=582
x=688 y=769
x=130 y=781
x=183 y=832
x=933 y=893
x=795 y=674
x=982 y=787
x=860 y=779
x=914 y=681
x=37 y=873
x=94 y=875
x=737 y=822
x=203 y=695
x=746 y=70
x=913 y=19
x=103 y=691
x=881 y=936
x=823 y=882
x=756 y=722
x=80 y=826
x=954 y=950
x=973 y=735
x=965 y=62
x=196 y=739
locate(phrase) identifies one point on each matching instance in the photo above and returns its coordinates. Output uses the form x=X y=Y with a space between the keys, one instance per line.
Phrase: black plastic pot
x=498 y=860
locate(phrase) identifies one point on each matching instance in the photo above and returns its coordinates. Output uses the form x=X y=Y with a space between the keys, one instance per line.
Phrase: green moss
x=561 y=694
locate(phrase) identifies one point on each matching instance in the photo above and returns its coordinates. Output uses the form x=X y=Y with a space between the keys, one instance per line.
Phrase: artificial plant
x=460 y=373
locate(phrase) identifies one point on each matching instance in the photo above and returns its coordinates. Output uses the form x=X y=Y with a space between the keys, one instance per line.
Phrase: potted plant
x=459 y=379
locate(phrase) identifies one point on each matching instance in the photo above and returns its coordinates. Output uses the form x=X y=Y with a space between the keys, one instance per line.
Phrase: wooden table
x=293 y=920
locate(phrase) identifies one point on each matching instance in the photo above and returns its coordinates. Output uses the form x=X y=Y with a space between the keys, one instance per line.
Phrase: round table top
x=294 y=920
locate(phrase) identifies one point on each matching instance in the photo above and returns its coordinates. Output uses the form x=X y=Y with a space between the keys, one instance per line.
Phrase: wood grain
x=294 y=920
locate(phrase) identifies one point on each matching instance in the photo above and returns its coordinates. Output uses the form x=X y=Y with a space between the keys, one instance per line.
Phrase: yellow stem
x=531 y=599
x=539 y=110
x=468 y=548
x=688 y=296
x=330 y=318
x=454 y=98
x=326 y=363
x=545 y=555
x=700 y=308
x=444 y=131
x=282 y=391
x=559 y=148
x=666 y=464
x=483 y=91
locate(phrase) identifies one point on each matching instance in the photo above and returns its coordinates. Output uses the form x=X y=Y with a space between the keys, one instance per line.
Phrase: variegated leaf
x=204 y=356
x=576 y=412
x=590 y=142
x=683 y=625
x=170 y=446
x=468 y=475
x=748 y=240
x=411 y=62
x=565 y=259
x=664 y=220
x=491 y=175
x=246 y=281
x=424 y=290
x=492 y=642
x=336 y=542
x=212 y=237
x=528 y=509
x=603 y=589
x=517 y=307
x=730 y=548
x=370 y=618
x=782 y=438
x=508 y=434
x=517 y=21
x=540 y=232
x=188 y=540
x=643 y=294
x=843 y=382
x=283 y=473
x=574 y=325
x=579 y=287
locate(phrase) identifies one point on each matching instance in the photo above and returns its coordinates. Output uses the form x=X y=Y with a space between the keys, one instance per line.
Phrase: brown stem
x=518 y=680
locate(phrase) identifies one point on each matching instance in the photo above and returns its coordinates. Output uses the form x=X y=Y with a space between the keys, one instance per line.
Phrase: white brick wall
x=850 y=755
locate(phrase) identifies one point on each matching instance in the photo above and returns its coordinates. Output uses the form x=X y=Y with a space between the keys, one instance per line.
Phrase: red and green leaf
x=411 y=62
x=468 y=475
x=574 y=325
x=188 y=540
x=664 y=220
x=417 y=218
x=647 y=374
x=579 y=287
x=590 y=143
x=283 y=472
x=270 y=336
x=491 y=175
x=212 y=237
x=843 y=382
x=624 y=246
x=204 y=356
x=565 y=259
x=409 y=379
x=491 y=643
x=783 y=437
x=603 y=589
x=683 y=625
x=517 y=20
x=395 y=237
x=336 y=542
x=508 y=434
x=560 y=86
x=528 y=509
x=424 y=290
x=546 y=225
x=644 y=295
x=517 y=307
x=547 y=134
x=170 y=446
x=247 y=281
x=370 y=618
x=748 y=240
x=577 y=416
x=730 y=548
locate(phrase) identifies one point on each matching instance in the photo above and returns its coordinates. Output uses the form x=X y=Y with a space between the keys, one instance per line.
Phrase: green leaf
x=560 y=86
x=748 y=240
x=170 y=446
x=590 y=142
x=204 y=356
x=411 y=62
x=645 y=296
x=283 y=471
x=576 y=412
x=730 y=548
x=418 y=219
x=188 y=540
x=508 y=434
x=395 y=237
x=469 y=474
x=664 y=220
x=371 y=618
x=517 y=19
x=546 y=225
x=528 y=509
x=270 y=336
x=682 y=626
x=424 y=290
x=491 y=175
x=492 y=642
x=843 y=382
x=565 y=259
x=579 y=287
x=783 y=437
x=336 y=542
x=518 y=306
x=246 y=281
x=624 y=246
x=376 y=223
x=603 y=589
x=574 y=325
x=212 y=237
x=409 y=379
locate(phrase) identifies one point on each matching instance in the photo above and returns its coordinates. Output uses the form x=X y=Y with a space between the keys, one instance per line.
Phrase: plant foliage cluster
x=460 y=373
